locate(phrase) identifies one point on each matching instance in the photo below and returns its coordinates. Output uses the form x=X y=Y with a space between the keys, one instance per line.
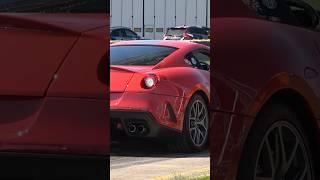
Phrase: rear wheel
x=277 y=148
x=195 y=127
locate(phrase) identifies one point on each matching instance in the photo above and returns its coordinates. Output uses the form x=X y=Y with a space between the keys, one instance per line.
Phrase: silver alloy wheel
x=198 y=123
x=283 y=155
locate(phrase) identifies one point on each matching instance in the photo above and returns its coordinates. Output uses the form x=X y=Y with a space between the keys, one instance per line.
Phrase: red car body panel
x=127 y=93
x=254 y=60
x=53 y=80
x=88 y=53
x=63 y=22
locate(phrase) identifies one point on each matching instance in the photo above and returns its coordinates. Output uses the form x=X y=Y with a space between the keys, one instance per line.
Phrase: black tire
x=277 y=126
x=185 y=143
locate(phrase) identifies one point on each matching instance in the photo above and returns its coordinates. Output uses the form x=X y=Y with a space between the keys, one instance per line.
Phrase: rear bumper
x=139 y=124
x=161 y=109
x=52 y=167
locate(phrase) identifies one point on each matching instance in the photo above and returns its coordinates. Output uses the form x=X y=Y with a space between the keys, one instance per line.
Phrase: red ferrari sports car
x=53 y=92
x=160 y=89
x=265 y=90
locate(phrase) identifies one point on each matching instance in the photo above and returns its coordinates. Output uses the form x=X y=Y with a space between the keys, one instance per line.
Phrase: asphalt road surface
x=137 y=160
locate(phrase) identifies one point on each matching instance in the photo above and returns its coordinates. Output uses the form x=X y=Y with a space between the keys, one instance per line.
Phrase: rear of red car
x=154 y=87
x=137 y=110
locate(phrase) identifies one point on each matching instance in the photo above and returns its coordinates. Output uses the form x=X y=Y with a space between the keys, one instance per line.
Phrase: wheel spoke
x=203 y=125
x=273 y=168
x=293 y=154
x=195 y=135
x=197 y=109
x=193 y=129
x=192 y=119
x=192 y=123
x=277 y=151
x=303 y=174
x=192 y=114
x=282 y=146
x=202 y=134
x=193 y=110
x=201 y=121
x=201 y=111
x=198 y=136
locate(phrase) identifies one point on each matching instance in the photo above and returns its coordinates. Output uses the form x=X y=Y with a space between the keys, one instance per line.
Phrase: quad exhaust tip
x=132 y=128
x=141 y=129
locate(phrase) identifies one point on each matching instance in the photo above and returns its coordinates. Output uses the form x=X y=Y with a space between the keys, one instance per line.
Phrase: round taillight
x=150 y=80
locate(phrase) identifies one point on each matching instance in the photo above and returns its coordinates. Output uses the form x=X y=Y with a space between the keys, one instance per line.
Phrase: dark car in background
x=123 y=33
x=186 y=33
x=207 y=29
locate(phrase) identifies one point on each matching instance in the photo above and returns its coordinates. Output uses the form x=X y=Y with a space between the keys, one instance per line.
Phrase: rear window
x=196 y=30
x=139 y=55
x=176 y=31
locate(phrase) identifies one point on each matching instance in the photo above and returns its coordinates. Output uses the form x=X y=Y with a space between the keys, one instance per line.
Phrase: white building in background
x=155 y=16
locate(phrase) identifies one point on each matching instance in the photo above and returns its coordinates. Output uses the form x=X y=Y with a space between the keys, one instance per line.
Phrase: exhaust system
x=132 y=128
x=141 y=129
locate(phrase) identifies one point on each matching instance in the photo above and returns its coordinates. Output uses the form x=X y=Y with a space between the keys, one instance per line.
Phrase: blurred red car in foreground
x=160 y=89
x=266 y=90
x=53 y=90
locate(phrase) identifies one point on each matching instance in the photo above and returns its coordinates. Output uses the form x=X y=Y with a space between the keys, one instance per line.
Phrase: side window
x=191 y=30
x=203 y=58
x=202 y=31
x=272 y=10
x=130 y=34
x=293 y=12
x=315 y=5
x=199 y=60
x=305 y=14
x=123 y=34
x=198 y=31
x=191 y=60
x=115 y=33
